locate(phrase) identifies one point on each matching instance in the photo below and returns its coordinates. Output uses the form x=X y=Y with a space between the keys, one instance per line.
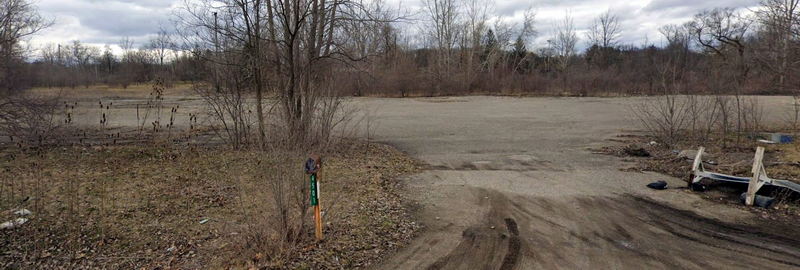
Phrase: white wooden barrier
x=758 y=180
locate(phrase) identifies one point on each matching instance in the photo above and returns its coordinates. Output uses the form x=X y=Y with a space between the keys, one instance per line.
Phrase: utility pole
x=216 y=53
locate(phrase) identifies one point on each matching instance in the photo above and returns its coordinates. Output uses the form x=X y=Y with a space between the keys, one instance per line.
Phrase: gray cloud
x=144 y=3
x=106 y=21
x=94 y=21
x=660 y=6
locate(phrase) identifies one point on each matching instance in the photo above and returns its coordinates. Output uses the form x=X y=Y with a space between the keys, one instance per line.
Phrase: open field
x=511 y=183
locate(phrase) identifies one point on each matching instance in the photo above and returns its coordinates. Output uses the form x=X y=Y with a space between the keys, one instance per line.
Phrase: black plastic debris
x=698 y=187
x=658 y=185
x=760 y=201
x=636 y=152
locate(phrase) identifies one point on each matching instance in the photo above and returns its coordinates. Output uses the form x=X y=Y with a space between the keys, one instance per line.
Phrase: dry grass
x=136 y=206
x=102 y=90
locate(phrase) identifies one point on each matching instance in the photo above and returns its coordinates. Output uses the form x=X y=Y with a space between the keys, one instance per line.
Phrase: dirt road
x=511 y=185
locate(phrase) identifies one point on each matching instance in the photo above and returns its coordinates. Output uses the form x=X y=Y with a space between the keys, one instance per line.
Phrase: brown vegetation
x=134 y=207
x=720 y=51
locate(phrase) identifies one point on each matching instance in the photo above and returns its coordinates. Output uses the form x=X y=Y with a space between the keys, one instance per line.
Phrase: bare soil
x=613 y=233
x=495 y=161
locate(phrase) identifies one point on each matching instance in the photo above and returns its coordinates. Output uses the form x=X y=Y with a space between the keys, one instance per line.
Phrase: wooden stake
x=318 y=221
x=315 y=200
x=755 y=182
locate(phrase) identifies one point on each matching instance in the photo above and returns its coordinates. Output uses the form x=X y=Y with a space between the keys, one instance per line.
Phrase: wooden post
x=317 y=211
x=755 y=182
x=318 y=231
x=698 y=159
x=697 y=166
x=312 y=167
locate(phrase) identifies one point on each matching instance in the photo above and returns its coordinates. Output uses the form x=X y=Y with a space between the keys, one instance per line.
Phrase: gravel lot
x=526 y=160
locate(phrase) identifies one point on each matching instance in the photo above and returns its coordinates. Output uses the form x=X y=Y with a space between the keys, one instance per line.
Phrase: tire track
x=514 y=245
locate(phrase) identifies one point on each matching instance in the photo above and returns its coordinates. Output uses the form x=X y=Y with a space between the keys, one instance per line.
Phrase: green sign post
x=312 y=166
x=314 y=190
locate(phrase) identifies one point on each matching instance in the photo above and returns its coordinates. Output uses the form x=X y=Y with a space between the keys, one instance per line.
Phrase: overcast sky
x=101 y=22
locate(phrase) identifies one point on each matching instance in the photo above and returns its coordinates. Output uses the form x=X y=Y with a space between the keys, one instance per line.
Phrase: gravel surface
x=528 y=159
x=511 y=182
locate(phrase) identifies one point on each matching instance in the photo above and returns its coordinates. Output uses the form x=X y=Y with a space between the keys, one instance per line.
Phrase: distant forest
x=719 y=51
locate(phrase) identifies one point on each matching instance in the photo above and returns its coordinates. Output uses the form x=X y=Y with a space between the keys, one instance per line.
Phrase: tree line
x=301 y=50
x=79 y=65
x=461 y=51
x=718 y=51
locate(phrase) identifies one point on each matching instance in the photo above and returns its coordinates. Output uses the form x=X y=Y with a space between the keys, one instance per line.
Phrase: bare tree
x=605 y=30
x=21 y=116
x=161 y=44
x=444 y=16
x=676 y=35
x=565 y=40
x=722 y=32
x=236 y=32
x=678 y=46
x=81 y=59
x=286 y=48
x=780 y=28
x=564 y=44
x=126 y=44
x=126 y=74
x=306 y=48
x=476 y=12
x=19 y=19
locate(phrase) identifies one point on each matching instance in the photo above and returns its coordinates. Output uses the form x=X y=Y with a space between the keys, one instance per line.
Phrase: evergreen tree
x=519 y=54
x=519 y=51
x=489 y=46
